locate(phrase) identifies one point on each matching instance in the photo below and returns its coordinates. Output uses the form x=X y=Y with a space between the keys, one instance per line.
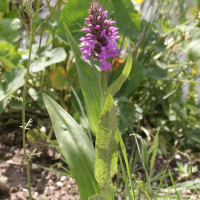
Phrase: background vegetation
x=161 y=94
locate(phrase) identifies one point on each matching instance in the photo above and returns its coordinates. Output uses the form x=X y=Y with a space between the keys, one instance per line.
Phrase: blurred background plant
x=161 y=93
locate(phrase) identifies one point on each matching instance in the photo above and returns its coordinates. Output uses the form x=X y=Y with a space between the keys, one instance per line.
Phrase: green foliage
x=9 y=56
x=9 y=30
x=90 y=85
x=76 y=148
x=58 y=78
x=137 y=74
x=46 y=57
x=3 y=5
x=185 y=170
x=114 y=87
x=150 y=92
x=106 y=148
x=96 y=197
x=73 y=15
x=128 y=19
x=14 y=79
x=52 y=23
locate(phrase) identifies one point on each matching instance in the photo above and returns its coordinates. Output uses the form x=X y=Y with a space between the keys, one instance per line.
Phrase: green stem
x=23 y=109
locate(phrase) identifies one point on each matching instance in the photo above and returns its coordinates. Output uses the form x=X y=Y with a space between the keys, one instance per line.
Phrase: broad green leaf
x=14 y=79
x=128 y=19
x=76 y=148
x=96 y=197
x=89 y=83
x=160 y=46
x=127 y=164
x=106 y=148
x=9 y=56
x=73 y=15
x=9 y=30
x=137 y=74
x=156 y=72
x=155 y=149
x=58 y=78
x=3 y=5
x=114 y=87
x=46 y=57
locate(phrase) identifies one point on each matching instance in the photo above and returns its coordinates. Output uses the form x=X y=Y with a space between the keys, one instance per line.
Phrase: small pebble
x=186 y=192
x=178 y=157
x=25 y=190
x=63 y=178
x=36 y=194
x=59 y=183
x=34 y=166
x=50 y=182
x=43 y=129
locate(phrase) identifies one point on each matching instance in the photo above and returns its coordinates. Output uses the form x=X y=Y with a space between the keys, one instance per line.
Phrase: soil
x=44 y=183
x=13 y=177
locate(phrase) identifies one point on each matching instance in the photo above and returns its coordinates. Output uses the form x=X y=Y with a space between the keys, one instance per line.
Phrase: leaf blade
x=114 y=87
x=76 y=148
x=106 y=149
x=90 y=84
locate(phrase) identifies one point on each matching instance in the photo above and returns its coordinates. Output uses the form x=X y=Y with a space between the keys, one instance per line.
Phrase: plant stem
x=23 y=108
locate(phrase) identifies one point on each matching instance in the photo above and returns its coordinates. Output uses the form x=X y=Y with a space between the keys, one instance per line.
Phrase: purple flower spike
x=100 y=41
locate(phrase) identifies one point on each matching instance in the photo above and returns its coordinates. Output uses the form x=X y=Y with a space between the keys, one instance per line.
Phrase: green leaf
x=125 y=179
x=156 y=72
x=76 y=148
x=73 y=15
x=106 y=148
x=89 y=83
x=127 y=164
x=137 y=74
x=46 y=57
x=128 y=20
x=3 y=5
x=160 y=46
x=13 y=80
x=155 y=149
x=96 y=197
x=144 y=151
x=58 y=78
x=114 y=87
x=9 y=30
x=9 y=56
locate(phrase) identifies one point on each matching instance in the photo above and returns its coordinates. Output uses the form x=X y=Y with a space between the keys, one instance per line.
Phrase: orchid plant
x=92 y=169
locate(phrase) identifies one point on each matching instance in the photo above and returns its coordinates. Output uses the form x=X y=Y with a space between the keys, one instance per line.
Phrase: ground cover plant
x=120 y=82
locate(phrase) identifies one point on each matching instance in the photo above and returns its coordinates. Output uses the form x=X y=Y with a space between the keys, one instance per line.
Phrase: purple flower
x=100 y=40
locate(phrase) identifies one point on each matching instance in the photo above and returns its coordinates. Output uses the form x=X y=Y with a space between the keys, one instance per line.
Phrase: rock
x=63 y=178
x=186 y=192
x=8 y=156
x=178 y=157
x=59 y=183
x=4 y=187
